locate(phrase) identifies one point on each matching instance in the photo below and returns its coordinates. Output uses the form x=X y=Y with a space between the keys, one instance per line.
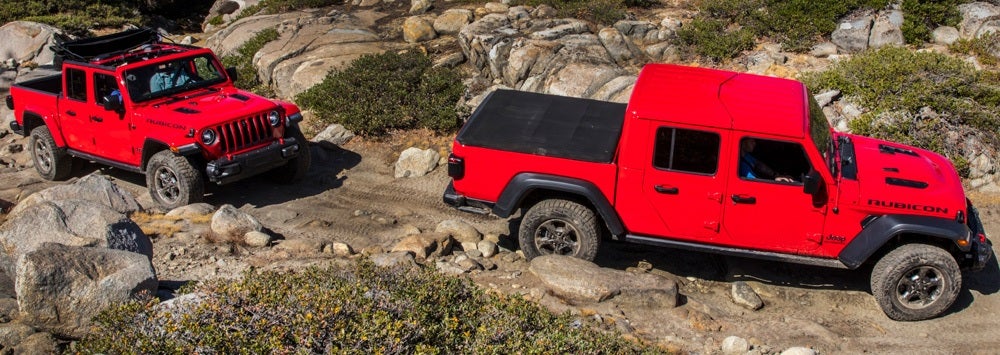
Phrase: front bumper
x=238 y=167
x=981 y=251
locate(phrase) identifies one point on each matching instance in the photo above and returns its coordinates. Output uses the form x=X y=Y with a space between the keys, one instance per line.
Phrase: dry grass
x=161 y=225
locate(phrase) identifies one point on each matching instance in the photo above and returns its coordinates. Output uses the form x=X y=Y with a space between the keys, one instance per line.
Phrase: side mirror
x=112 y=102
x=231 y=71
x=812 y=182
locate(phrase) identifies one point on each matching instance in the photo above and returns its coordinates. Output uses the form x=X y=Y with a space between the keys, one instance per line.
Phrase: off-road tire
x=51 y=161
x=916 y=282
x=295 y=169
x=173 y=181
x=559 y=227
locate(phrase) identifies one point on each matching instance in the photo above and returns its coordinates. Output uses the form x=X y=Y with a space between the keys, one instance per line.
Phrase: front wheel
x=173 y=181
x=559 y=227
x=916 y=282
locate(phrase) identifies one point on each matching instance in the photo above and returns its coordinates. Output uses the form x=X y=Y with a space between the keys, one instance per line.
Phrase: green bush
x=896 y=84
x=362 y=309
x=383 y=92
x=920 y=17
x=984 y=48
x=76 y=18
x=710 y=38
x=243 y=62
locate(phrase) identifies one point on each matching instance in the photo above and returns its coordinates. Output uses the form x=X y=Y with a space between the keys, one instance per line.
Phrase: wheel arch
x=886 y=233
x=149 y=148
x=527 y=189
x=31 y=120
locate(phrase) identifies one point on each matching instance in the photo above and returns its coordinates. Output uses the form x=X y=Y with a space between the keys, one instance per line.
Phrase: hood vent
x=240 y=97
x=885 y=149
x=187 y=110
x=906 y=183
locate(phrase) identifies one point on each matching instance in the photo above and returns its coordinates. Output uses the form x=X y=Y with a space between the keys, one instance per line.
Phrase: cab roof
x=720 y=99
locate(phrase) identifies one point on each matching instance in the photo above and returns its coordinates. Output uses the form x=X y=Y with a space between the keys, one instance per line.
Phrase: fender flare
x=881 y=230
x=523 y=184
x=31 y=120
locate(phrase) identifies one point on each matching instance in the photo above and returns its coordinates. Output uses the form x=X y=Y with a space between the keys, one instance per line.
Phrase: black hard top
x=548 y=125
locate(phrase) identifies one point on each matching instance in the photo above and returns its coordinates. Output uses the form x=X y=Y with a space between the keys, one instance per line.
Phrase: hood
x=203 y=108
x=900 y=179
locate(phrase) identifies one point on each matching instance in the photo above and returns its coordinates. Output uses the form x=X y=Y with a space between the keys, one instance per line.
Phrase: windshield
x=168 y=78
x=819 y=130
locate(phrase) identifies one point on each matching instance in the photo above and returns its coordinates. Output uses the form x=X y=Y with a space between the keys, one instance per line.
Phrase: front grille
x=243 y=133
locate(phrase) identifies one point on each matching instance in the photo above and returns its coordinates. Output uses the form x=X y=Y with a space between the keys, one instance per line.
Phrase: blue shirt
x=167 y=80
x=747 y=163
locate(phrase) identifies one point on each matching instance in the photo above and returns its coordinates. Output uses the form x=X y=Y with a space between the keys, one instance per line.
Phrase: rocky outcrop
x=224 y=11
x=25 y=41
x=93 y=188
x=978 y=18
x=60 y=288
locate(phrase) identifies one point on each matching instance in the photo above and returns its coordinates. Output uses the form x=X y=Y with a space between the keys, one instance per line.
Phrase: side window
x=771 y=160
x=103 y=86
x=686 y=150
x=76 y=84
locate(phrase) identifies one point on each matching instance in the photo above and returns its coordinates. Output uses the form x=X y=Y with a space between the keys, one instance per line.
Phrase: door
x=766 y=208
x=684 y=183
x=111 y=130
x=73 y=109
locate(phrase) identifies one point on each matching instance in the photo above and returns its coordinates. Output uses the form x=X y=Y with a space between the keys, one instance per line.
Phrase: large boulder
x=417 y=29
x=978 y=18
x=229 y=222
x=452 y=21
x=581 y=280
x=852 y=34
x=93 y=187
x=27 y=41
x=414 y=162
x=61 y=288
x=225 y=10
x=887 y=30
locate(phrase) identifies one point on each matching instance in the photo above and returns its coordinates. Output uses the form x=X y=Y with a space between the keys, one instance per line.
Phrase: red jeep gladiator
x=134 y=102
x=721 y=162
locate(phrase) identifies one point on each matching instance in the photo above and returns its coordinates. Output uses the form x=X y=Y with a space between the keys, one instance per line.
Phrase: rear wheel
x=559 y=227
x=173 y=181
x=916 y=282
x=51 y=162
x=296 y=168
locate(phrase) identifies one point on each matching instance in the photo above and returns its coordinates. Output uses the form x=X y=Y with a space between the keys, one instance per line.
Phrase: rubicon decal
x=165 y=124
x=907 y=206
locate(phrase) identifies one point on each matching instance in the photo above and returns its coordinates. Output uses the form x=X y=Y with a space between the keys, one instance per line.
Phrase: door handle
x=71 y=113
x=744 y=199
x=666 y=190
x=96 y=119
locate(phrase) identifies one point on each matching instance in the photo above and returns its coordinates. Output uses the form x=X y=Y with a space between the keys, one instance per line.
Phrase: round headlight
x=208 y=136
x=274 y=118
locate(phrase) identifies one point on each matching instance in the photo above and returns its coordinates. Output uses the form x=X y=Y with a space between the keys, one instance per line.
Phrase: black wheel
x=916 y=282
x=51 y=162
x=296 y=168
x=559 y=227
x=173 y=181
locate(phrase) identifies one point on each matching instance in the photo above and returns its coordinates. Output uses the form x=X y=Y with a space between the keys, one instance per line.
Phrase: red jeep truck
x=134 y=102
x=722 y=162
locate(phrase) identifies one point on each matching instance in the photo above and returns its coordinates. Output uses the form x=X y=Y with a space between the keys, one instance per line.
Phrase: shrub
x=710 y=38
x=358 y=309
x=243 y=62
x=383 y=92
x=920 y=17
x=985 y=48
x=897 y=86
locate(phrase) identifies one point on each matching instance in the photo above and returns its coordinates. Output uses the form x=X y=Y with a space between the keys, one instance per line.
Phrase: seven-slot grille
x=243 y=133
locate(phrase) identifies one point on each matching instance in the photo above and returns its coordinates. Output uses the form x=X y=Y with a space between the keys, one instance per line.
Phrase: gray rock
x=93 y=187
x=978 y=18
x=61 y=288
x=448 y=268
x=25 y=41
x=826 y=97
x=887 y=29
x=414 y=162
x=452 y=21
x=734 y=345
x=421 y=246
x=38 y=343
x=469 y=265
x=496 y=8
x=945 y=35
x=488 y=248
x=518 y=13
x=8 y=309
x=394 y=259
x=824 y=49
x=257 y=239
x=460 y=230
x=573 y=27
x=852 y=35
x=634 y=29
x=745 y=296
x=544 y=11
x=230 y=222
x=338 y=249
x=418 y=7
x=620 y=49
x=192 y=210
x=450 y=60
x=417 y=29
x=14 y=333
x=798 y=350
x=582 y=280
x=334 y=135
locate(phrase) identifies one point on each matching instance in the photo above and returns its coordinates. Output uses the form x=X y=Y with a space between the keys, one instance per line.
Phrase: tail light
x=456 y=167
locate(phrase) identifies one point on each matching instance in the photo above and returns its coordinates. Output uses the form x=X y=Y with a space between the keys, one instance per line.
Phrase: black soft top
x=548 y=125
x=89 y=48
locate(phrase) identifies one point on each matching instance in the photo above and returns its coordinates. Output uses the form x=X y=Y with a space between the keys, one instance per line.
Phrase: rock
x=826 y=97
x=25 y=41
x=93 y=187
x=734 y=345
x=8 y=309
x=38 y=343
x=257 y=239
x=488 y=248
x=518 y=14
x=14 y=333
x=452 y=21
x=887 y=30
x=620 y=49
x=61 y=288
x=978 y=18
x=852 y=35
x=469 y=265
x=334 y=135
x=496 y=8
x=414 y=162
x=460 y=230
x=635 y=29
x=192 y=210
x=338 y=249
x=418 y=7
x=945 y=35
x=798 y=350
x=229 y=222
x=394 y=259
x=450 y=60
x=417 y=29
x=581 y=79
x=421 y=246
x=824 y=49
x=745 y=296
x=572 y=27
x=759 y=62
x=578 y=279
x=448 y=268
x=544 y=11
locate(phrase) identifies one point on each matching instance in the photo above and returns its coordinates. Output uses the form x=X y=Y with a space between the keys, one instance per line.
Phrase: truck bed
x=546 y=125
x=51 y=84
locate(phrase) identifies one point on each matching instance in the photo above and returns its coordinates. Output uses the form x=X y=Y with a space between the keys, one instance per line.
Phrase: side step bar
x=755 y=254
